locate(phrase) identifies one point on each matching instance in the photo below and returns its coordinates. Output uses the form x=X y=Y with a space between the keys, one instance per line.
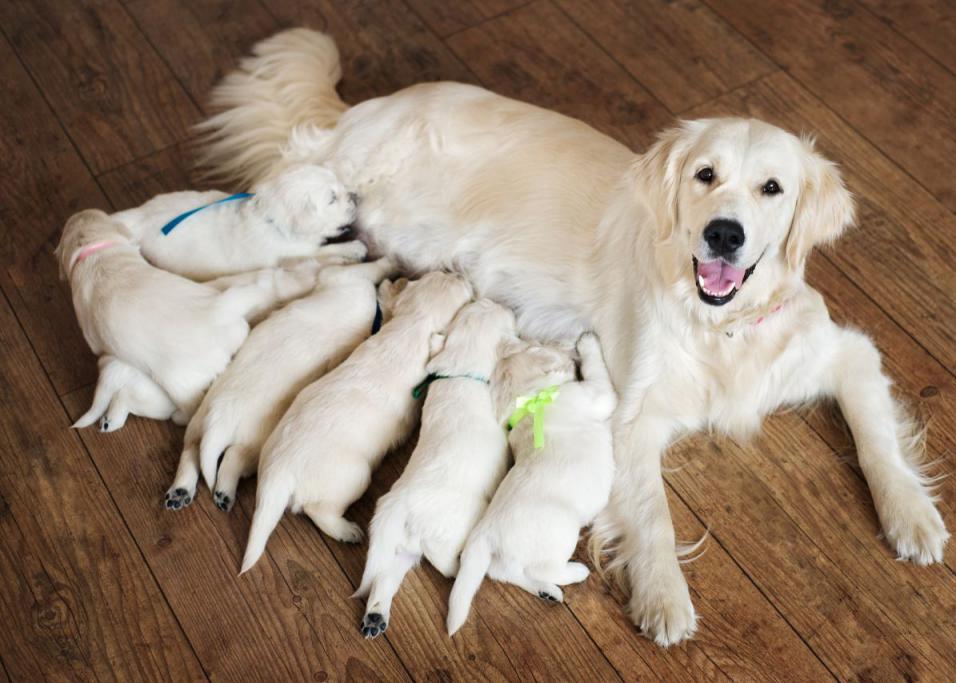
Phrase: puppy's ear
x=388 y=292
x=657 y=174
x=824 y=209
x=510 y=345
x=436 y=343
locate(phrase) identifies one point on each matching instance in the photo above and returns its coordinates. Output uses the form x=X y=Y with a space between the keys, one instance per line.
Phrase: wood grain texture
x=445 y=18
x=929 y=24
x=680 y=51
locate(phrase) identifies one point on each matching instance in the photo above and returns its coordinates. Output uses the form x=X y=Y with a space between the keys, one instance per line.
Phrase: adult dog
x=687 y=260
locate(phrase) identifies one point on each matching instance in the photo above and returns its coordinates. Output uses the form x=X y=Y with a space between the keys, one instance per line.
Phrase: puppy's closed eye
x=333 y=197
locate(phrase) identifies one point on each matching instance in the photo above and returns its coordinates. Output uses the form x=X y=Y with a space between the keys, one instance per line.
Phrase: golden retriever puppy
x=321 y=455
x=122 y=390
x=687 y=260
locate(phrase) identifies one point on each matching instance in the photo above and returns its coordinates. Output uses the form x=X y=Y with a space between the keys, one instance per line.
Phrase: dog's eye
x=334 y=197
x=705 y=175
x=771 y=187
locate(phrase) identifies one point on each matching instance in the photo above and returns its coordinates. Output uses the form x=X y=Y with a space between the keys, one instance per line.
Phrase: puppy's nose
x=724 y=236
x=353 y=198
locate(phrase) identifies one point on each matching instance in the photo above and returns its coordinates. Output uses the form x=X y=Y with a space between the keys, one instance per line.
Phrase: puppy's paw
x=916 y=530
x=223 y=500
x=104 y=424
x=353 y=252
x=178 y=498
x=664 y=613
x=551 y=594
x=373 y=624
x=350 y=532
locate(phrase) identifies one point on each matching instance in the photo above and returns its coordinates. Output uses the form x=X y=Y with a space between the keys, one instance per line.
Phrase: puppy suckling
x=558 y=484
x=461 y=455
x=178 y=333
x=320 y=457
x=286 y=352
x=291 y=216
x=122 y=390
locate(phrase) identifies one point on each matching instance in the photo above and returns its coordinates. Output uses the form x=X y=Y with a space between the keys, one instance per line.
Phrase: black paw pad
x=547 y=596
x=177 y=498
x=223 y=502
x=373 y=625
x=104 y=425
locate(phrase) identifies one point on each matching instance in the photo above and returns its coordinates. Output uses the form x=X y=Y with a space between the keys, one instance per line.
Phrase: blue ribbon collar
x=168 y=228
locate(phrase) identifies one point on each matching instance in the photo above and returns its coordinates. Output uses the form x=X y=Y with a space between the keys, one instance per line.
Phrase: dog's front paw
x=350 y=533
x=916 y=530
x=178 y=498
x=373 y=624
x=664 y=612
x=223 y=500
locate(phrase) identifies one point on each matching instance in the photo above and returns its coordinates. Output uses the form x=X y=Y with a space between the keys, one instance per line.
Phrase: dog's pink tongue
x=719 y=275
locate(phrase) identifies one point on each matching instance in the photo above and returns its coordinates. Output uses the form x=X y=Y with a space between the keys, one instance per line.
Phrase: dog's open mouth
x=718 y=282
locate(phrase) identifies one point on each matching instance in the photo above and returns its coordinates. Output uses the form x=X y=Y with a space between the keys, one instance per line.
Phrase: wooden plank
x=115 y=97
x=166 y=171
x=891 y=91
x=241 y=628
x=538 y=55
x=202 y=41
x=681 y=51
x=902 y=252
x=79 y=602
x=445 y=18
x=930 y=24
x=384 y=45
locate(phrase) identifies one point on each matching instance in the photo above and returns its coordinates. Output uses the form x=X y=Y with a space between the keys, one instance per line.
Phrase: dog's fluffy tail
x=289 y=81
x=475 y=560
x=272 y=498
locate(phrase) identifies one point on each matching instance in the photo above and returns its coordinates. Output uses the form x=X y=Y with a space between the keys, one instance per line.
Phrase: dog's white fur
x=122 y=390
x=530 y=529
x=289 y=217
x=460 y=457
x=321 y=455
x=574 y=231
x=285 y=353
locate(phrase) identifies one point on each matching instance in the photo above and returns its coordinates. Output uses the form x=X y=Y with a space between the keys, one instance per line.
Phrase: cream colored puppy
x=530 y=530
x=289 y=217
x=122 y=390
x=178 y=333
x=285 y=353
x=320 y=457
x=461 y=455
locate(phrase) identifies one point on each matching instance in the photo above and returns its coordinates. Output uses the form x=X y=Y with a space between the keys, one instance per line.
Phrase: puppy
x=122 y=390
x=289 y=217
x=178 y=333
x=530 y=529
x=289 y=350
x=462 y=454
x=320 y=457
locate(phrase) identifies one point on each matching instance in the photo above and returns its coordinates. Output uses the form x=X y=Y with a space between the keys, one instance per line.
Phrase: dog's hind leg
x=238 y=462
x=331 y=522
x=116 y=414
x=560 y=573
x=379 y=604
x=547 y=590
x=183 y=490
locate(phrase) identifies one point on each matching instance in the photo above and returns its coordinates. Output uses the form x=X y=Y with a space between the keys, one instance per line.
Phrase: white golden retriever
x=530 y=529
x=286 y=352
x=288 y=217
x=321 y=455
x=460 y=457
x=674 y=257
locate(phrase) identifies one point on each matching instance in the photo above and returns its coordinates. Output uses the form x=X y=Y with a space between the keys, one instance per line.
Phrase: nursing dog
x=460 y=457
x=321 y=455
x=688 y=261
x=560 y=481
x=285 y=353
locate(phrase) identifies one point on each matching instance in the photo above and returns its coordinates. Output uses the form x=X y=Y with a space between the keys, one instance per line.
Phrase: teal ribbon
x=422 y=386
x=534 y=405
x=168 y=228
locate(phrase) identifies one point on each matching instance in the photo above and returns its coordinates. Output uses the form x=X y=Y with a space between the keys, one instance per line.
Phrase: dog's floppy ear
x=824 y=209
x=657 y=174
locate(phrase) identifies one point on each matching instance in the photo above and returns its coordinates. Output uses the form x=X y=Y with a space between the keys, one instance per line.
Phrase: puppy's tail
x=385 y=533
x=475 y=560
x=289 y=80
x=272 y=498
x=109 y=381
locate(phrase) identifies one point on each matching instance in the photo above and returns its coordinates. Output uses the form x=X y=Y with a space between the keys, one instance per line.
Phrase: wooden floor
x=99 y=582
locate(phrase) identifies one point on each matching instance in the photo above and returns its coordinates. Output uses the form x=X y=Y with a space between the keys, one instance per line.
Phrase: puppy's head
x=84 y=229
x=738 y=204
x=528 y=367
x=306 y=202
x=474 y=339
x=436 y=297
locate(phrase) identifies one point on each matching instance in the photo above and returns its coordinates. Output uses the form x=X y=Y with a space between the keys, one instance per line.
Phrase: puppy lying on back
x=461 y=455
x=320 y=457
x=290 y=349
x=291 y=216
x=122 y=390
x=529 y=531
x=178 y=333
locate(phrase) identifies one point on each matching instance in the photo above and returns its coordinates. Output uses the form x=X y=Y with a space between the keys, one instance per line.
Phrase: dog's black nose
x=724 y=236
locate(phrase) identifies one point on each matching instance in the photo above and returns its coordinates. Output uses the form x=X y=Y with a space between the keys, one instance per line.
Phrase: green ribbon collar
x=534 y=405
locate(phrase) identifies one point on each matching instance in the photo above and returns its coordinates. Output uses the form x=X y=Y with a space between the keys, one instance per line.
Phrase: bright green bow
x=533 y=405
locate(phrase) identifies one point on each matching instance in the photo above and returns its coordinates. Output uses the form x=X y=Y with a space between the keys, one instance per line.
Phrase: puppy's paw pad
x=104 y=424
x=550 y=597
x=373 y=624
x=223 y=501
x=177 y=499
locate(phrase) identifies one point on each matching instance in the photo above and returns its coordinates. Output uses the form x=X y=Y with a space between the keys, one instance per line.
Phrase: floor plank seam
x=484 y=21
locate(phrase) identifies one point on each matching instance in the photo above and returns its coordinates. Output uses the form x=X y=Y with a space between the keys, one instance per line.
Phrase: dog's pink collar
x=90 y=249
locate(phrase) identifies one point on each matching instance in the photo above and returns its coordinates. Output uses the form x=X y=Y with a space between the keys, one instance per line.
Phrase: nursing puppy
x=285 y=353
x=178 y=333
x=530 y=530
x=461 y=455
x=289 y=217
x=320 y=457
x=122 y=390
